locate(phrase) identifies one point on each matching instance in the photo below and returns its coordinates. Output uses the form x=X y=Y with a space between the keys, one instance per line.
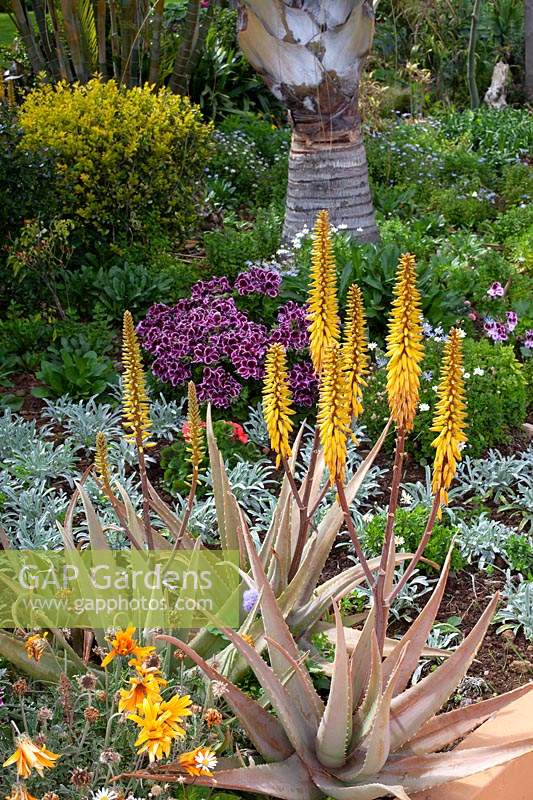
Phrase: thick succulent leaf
x=97 y=536
x=136 y=524
x=417 y=634
x=422 y=772
x=280 y=563
x=353 y=636
x=361 y=661
x=226 y=519
x=335 y=730
x=419 y=703
x=306 y=579
x=288 y=780
x=263 y=729
x=377 y=744
x=444 y=729
x=365 y=791
x=45 y=670
x=300 y=687
x=300 y=728
x=171 y=521
x=363 y=718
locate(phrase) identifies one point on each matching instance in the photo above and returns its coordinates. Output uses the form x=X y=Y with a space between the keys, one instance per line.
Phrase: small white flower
x=466 y=375
x=479 y=371
x=205 y=760
x=424 y=407
x=105 y=794
x=342 y=227
x=372 y=345
x=405 y=498
x=435 y=388
x=399 y=541
x=461 y=333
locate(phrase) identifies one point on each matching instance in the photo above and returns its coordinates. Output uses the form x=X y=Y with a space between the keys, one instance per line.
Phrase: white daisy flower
x=205 y=760
x=479 y=371
x=104 y=794
x=423 y=407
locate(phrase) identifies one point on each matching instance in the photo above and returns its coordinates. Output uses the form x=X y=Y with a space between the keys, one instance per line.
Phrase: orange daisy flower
x=125 y=645
x=28 y=756
x=200 y=761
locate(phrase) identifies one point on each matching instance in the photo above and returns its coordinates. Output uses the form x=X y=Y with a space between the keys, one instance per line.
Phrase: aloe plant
x=374 y=737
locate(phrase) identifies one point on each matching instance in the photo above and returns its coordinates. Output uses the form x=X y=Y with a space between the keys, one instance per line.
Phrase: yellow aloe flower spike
x=405 y=350
x=195 y=432
x=123 y=644
x=136 y=406
x=29 y=756
x=101 y=461
x=450 y=418
x=355 y=349
x=334 y=413
x=200 y=761
x=323 y=310
x=277 y=408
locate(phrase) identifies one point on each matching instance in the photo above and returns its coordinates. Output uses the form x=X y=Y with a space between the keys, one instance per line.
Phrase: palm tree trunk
x=101 y=15
x=73 y=32
x=329 y=172
x=25 y=28
x=179 y=80
x=65 y=70
x=155 y=51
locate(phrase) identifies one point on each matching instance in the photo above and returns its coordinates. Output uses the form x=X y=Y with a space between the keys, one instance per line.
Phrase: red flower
x=238 y=432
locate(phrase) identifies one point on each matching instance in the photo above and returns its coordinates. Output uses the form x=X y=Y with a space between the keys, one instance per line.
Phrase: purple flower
x=218 y=387
x=258 y=281
x=249 y=599
x=512 y=320
x=496 y=290
x=528 y=341
x=303 y=383
x=292 y=330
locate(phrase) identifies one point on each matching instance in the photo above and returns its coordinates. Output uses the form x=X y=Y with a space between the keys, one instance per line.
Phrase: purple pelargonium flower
x=303 y=383
x=512 y=320
x=258 y=281
x=219 y=387
x=528 y=341
x=496 y=290
x=292 y=330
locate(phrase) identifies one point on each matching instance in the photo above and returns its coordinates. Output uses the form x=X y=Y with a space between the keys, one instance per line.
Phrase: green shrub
x=229 y=250
x=517 y=185
x=130 y=160
x=175 y=460
x=519 y=552
x=409 y=528
x=495 y=390
x=74 y=369
x=463 y=206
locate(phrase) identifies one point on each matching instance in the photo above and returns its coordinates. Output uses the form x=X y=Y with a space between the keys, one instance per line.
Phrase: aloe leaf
x=422 y=772
x=288 y=780
x=166 y=514
x=418 y=633
x=335 y=730
x=96 y=532
x=416 y=705
x=47 y=670
x=364 y=716
x=300 y=687
x=377 y=744
x=366 y=791
x=360 y=661
x=320 y=545
x=299 y=727
x=446 y=728
x=262 y=728
x=221 y=488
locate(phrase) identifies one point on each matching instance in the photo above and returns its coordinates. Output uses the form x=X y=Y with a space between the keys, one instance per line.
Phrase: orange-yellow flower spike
x=323 y=310
x=450 y=418
x=334 y=412
x=136 y=406
x=195 y=430
x=101 y=461
x=404 y=346
x=355 y=349
x=277 y=401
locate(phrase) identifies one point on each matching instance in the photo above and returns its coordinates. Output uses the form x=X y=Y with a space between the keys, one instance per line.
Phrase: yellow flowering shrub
x=128 y=161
